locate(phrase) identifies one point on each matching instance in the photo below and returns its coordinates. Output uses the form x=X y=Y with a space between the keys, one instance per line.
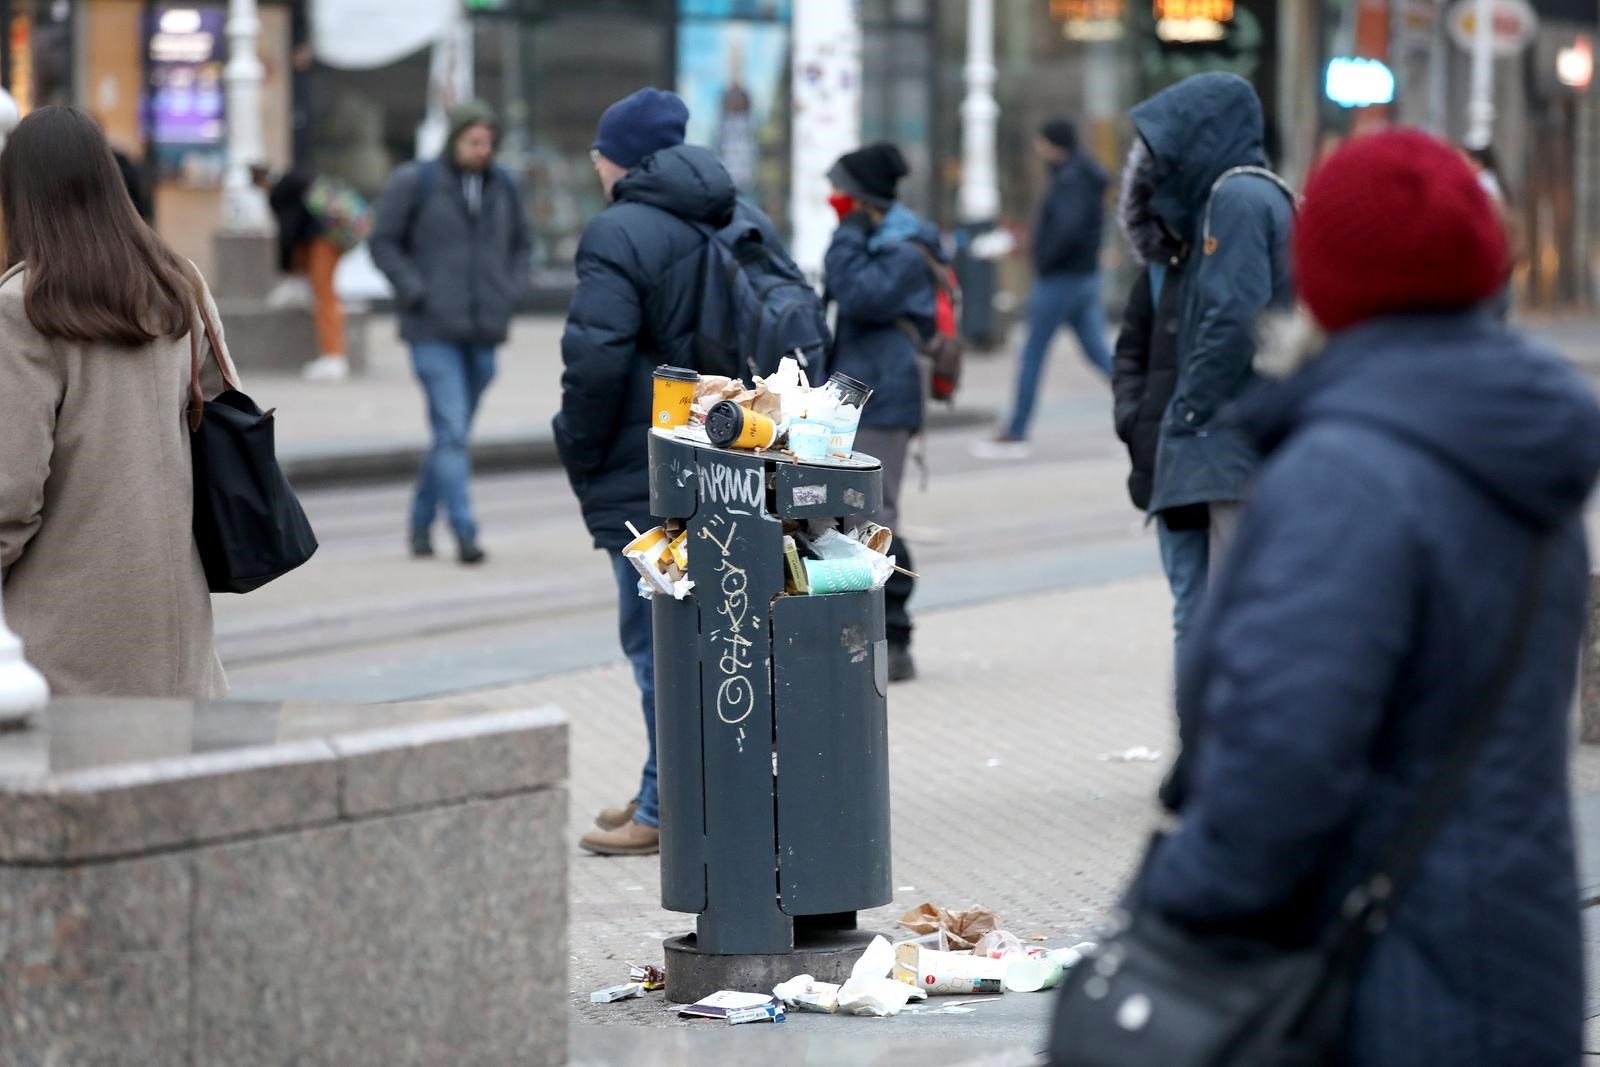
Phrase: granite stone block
x=122 y=809
x=94 y=964
x=455 y=759
x=433 y=937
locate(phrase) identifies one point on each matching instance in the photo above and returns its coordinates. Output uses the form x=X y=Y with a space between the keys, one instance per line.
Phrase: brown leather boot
x=633 y=838
x=616 y=818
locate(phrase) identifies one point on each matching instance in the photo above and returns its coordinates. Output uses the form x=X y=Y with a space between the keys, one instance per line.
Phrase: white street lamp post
x=1480 y=107
x=244 y=207
x=22 y=689
x=980 y=172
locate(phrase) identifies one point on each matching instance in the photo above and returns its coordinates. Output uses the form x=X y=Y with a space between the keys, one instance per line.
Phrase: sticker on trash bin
x=854 y=500
x=810 y=496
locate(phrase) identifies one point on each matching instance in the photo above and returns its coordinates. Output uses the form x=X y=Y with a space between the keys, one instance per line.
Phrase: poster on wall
x=733 y=74
x=827 y=117
x=184 y=117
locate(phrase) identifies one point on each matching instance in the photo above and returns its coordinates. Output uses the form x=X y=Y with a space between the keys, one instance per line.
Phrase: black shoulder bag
x=248 y=523
x=1156 y=994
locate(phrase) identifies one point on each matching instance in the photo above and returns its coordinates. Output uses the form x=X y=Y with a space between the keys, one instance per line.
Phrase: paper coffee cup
x=809 y=440
x=1033 y=975
x=949 y=973
x=730 y=426
x=674 y=396
x=878 y=538
x=838 y=575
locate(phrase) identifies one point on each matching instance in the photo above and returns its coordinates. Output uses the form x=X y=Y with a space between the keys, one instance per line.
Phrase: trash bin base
x=693 y=975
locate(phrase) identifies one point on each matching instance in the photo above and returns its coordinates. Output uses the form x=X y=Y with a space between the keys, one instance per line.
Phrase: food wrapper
x=651 y=555
x=869 y=990
x=649 y=976
x=962 y=928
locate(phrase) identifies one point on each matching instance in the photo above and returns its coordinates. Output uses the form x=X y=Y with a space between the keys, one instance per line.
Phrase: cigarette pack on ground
x=949 y=973
x=613 y=993
x=736 y=1007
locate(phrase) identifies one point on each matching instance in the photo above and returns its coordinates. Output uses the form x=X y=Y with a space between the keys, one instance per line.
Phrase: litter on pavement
x=735 y=1007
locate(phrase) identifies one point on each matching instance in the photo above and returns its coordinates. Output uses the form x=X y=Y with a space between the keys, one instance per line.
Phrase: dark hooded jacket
x=1071 y=222
x=457 y=274
x=634 y=309
x=1197 y=131
x=885 y=290
x=1412 y=469
x=1144 y=371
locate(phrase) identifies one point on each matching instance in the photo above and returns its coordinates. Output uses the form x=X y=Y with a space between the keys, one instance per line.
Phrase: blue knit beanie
x=641 y=125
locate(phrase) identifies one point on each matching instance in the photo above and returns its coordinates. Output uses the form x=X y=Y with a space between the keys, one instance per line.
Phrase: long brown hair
x=95 y=272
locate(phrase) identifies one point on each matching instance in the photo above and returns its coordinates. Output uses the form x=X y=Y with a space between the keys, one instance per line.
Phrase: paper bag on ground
x=963 y=928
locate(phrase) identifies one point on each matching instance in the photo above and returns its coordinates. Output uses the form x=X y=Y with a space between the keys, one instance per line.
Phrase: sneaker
x=632 y=838
x=1004 y=447
x=470 y=554
x=902 y=668
x=326 y=369
x=616 y=818
x=421 y=544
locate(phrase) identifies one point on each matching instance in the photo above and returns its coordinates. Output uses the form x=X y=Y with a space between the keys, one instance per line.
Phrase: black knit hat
x=1061 y=133
x=870 y=174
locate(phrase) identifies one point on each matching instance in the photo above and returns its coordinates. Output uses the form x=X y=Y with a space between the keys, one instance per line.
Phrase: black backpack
x=756 y=307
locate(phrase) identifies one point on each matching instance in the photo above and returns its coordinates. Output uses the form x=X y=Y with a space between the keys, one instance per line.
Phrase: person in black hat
x=879 y=272
x=1066 y=288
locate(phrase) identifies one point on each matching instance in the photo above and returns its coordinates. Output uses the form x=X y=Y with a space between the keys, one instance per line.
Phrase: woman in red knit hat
x=1420 y=506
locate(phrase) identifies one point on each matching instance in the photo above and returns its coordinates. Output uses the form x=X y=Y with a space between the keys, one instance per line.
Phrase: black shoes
x=902 y=668
x=467 y=552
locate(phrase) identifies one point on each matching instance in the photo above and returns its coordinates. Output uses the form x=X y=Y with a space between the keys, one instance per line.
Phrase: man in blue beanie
x=634 y=309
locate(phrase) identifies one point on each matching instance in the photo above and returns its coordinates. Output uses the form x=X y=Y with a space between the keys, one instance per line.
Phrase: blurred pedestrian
x=10 y=115
x=1355 y=629
x=1145 y=374
x=452 y=237
x=1066 y=287
x=319 y=220
x=635 y=308
x=1213 y=191
x=879 y=270
x=103 y=580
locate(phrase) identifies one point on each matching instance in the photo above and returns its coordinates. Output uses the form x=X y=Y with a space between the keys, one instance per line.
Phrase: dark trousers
x=891 y=448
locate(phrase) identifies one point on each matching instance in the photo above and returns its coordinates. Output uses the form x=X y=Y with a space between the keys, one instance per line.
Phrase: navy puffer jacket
x=635 y=308
x=885 y=291
x=1411 y=471
x=1197 y=131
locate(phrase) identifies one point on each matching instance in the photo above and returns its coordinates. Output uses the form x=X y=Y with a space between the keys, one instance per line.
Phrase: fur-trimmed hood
x=1146 y=234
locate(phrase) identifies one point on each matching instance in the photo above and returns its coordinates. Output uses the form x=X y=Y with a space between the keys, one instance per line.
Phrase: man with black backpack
x=452 y=236
x=646 y=297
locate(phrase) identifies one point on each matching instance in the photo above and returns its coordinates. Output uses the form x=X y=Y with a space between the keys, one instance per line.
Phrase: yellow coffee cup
x=674 y=396
x=730 y=426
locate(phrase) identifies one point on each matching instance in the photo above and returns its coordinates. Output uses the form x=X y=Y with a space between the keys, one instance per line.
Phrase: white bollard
x=23 y=690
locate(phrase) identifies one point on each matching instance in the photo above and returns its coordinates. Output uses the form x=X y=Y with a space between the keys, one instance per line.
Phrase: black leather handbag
x=1157 y=994
x=248 y=523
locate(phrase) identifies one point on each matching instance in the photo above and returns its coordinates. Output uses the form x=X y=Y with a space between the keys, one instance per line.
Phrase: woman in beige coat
x=102 y=579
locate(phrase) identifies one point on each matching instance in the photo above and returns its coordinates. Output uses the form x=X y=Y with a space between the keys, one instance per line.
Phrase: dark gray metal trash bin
x=771 y=727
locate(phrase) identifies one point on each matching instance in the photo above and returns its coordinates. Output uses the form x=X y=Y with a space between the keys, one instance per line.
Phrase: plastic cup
x=730 y=426
x=949 y=973
x=674 y=396
x=1033 y=975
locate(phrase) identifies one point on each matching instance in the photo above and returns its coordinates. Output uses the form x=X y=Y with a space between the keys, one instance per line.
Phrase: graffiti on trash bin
x=723 y=484
x=736 y=696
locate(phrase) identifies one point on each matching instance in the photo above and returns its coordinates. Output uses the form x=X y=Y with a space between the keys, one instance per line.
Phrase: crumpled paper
x=963 y=929
x=869 y=991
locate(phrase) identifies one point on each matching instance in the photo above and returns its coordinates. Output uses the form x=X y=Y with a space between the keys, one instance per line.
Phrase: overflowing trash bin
x=771 y=699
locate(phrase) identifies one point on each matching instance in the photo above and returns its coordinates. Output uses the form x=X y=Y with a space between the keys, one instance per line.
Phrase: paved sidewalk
x=1002 y=796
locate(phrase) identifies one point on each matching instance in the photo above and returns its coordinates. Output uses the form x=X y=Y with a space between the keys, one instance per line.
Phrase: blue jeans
x=635 y=626
x=454 y=378
x=1186 y=557
x=1058 y=300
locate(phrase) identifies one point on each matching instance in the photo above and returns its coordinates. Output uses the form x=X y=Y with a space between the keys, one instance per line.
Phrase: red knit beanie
x=1396 y=222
